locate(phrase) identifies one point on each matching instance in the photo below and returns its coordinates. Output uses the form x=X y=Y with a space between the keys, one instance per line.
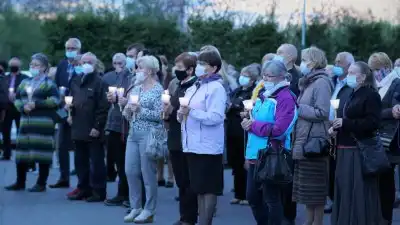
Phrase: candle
x=62 y=89
x=165 y=98
x=112 y=89
x=29 y=90
x=184 y=101
x=248 y=104
x=11 y=90
x=335 y=103
x=68 y=100
x=134 y=99
x=121 y=92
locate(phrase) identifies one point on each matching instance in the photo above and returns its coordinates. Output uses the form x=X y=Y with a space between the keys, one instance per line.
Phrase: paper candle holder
x=184 y=101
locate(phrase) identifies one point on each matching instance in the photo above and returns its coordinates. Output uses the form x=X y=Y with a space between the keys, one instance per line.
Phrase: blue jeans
x=265 y=200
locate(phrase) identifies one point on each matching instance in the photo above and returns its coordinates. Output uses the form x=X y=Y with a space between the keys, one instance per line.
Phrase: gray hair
x=42 y=58
x=76 y=42
x=276 y=67
x=291 y=49
x=89 y=54
x=254 y=71
x=348 y=57
x=119 y=56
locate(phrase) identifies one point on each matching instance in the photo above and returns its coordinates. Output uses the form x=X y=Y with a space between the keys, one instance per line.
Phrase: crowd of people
x=130 y=121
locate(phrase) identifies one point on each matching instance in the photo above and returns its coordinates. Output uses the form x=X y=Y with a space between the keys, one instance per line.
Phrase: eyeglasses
x=34 y=65
x=71 y=48
x=118 y=63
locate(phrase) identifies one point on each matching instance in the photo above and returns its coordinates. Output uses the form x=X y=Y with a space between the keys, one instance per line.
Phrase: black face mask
x=14 y=69
x=181 y=74
x=1 y=71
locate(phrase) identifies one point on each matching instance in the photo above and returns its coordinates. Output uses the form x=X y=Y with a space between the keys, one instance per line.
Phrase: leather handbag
x=316 y=146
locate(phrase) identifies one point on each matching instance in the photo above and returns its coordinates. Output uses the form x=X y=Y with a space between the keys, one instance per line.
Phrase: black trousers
x=90 y=166
x=188 y=199
x=387 y=193
x=22 y=169
x=116 y=148
x=236 y=150
x=65 y=145
x=10 y=115
x=332 y=168
x=289 y=206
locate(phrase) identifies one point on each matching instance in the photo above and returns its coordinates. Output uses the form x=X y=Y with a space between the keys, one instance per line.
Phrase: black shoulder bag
x=316 y=146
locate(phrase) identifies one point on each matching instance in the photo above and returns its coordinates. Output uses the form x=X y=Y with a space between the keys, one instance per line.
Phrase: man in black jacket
x=11 y=114
x=89 y=115
x=65 y=72
x=3 y=91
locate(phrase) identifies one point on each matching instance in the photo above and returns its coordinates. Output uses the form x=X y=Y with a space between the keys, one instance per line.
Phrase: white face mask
x=140 y=77
x=200 y=71
x=87 y=68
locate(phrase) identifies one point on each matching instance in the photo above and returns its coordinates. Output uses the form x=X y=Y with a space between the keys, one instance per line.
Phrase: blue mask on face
x=279 y=58
x=244 y=81
x=78 y=69
x=304 y=69
x=34 y=72
x=71 y=54
x=337 y=71
x=130 y=63
x=268 y=85
x=351 y=81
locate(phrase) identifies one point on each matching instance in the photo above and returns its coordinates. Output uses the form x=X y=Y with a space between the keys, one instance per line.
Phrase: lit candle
x=29 y=92
x=134 y=99
x=112 y=89
x=248 y=104
x=184 y=101
x=335 y=103
x=120 y=92
x=11 y=90
x=166 y=97
x=62 y=90
x=68 y=100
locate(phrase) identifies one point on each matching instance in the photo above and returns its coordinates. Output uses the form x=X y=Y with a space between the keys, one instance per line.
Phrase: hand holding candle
x=11 y=94
x=134 y=101
x=248 y=106
x=120 y=93
x=184 y=102
x=112 y=89
x=335 y=105
x=68 y=103
x=29 y=92
x=165 y=98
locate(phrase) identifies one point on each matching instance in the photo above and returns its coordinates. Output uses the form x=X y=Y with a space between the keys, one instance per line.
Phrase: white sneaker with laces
x=145 y=217
x=132 y=215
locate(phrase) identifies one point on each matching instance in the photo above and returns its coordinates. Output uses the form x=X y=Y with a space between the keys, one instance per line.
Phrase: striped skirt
x=311 y=181
x=35 y=140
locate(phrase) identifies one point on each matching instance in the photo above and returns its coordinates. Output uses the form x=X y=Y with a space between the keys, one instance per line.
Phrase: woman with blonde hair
x=145 y=117
x=310 y=181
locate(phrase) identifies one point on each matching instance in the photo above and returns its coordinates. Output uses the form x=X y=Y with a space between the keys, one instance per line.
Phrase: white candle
x=11 y=90
x=165 y=98
x=134 y=99
x=248 y=104
x=121 y=92
x=112 y=89
x=335 y=103
x=29 y=90
x=184 y=101
x=68 y=100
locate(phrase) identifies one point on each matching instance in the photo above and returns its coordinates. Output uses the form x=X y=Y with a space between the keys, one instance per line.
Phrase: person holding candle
x=119 y=79
x=388 y=84
x=272 y=119
x=37 y=99
x=236 y=138
x=356 y=199
x=144 y=113
x=14 y=79
x=89 y=116
x=4 y=100
x=202 y=115
x=185 y=65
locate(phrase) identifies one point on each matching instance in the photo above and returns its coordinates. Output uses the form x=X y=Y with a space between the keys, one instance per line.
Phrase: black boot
x=15 y=187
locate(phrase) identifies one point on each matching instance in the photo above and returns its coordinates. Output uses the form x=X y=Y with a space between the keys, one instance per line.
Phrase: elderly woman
x=145 y=117
x=310 y=182
x=388 y=83
x=356 y=196
x=273 y=118
x=235 y=134
x=37 y=99
x=202 y=114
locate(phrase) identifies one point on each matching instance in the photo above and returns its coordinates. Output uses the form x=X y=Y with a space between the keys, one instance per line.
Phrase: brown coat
x=314 y=105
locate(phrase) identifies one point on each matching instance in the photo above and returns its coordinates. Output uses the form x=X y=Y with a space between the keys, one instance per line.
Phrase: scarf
x=385 y=83
x=271 y=91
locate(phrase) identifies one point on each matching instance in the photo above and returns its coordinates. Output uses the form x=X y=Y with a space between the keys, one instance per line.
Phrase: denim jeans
x=265 y=200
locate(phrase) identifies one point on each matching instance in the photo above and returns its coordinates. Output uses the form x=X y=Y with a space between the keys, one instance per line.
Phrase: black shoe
x=79 y=195
x=60 y=184
x=169 y=184
x=177 y=198
x=328 y=208
x=5 y=158
x=126 y=204
x=161 y=183
x=37 y=188
x=116 y=201
x=73 y=173
x=287 y=222
x=96 y=198
x=15 y=187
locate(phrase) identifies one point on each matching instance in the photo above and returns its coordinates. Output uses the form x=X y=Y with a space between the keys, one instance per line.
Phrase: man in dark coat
x=89 y=111
x=3 y=91
x=65 y=71
x=11 y=113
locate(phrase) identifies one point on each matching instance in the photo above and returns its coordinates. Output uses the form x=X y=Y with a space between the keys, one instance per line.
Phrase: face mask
x=130 y=63
x=78 y=69
x=14 y=69
x=71 y=54
x=140 y=77
x=200 y=71
x=1 y=71
x=337 y=71
x=181 y=74
x=268 y=85
x=244 y=81
x=87 y=68
x=34 y=72
x=304 y=69
x=351 y=81
x=279 y=58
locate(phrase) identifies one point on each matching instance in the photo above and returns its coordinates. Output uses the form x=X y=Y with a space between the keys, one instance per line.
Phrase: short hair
x=267 y=57
x=76 y=42
x=348 y=57
x=397 y=62
x=149 y=62
x=212 y=58
x=369 y=76
x=206 y=48
x=4 y=64
x=163 y=59
x=99 y=67
x=119 y=56
x=254 y=70
x=138 y=46
x=42 y=58
x=291 y=49
x=316 y=56
x=276 y=67
x=380 y=60
x=187 y=59
x=89 y=54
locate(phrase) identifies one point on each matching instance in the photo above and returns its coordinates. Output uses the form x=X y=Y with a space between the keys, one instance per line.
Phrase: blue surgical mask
x=130 y=63
x=78 y=69
x=34 y=72
x=351 y=81
x=200 y=71
x=337 y=71
x=268 y=85
x=304 y=69
x=71 y=54
x=244 y=81
x=279 y=58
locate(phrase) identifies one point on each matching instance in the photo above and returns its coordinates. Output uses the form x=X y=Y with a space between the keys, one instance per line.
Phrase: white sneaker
x=145 y=217
x=132 y=215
